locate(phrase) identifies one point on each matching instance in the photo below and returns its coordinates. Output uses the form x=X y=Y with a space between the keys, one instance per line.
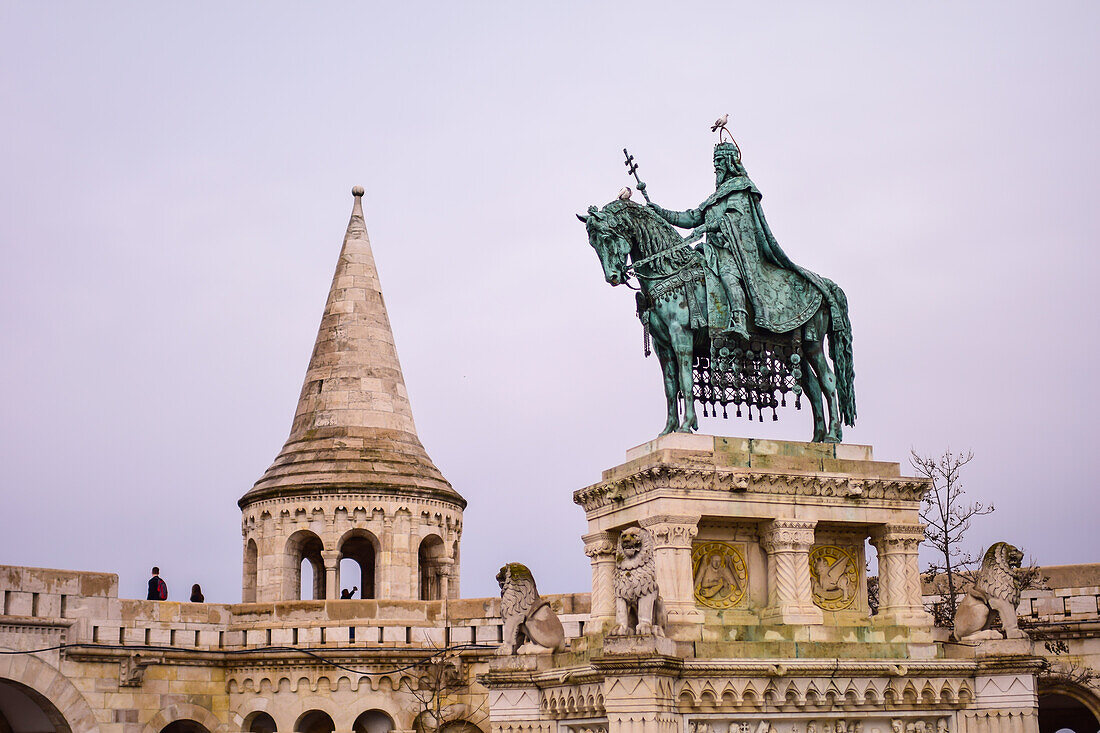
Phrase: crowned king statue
x=734 y=321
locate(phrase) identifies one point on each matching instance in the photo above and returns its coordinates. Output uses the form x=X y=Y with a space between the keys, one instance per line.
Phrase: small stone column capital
x=672 y=531
x=330 y=557
x=598 y=543
x=890 y=538
x=788 y=535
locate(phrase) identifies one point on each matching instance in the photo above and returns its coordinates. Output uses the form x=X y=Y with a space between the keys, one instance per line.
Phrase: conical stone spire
x=353 y=430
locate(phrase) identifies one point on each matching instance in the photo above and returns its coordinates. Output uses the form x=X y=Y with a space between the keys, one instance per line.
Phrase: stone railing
x=85 y=609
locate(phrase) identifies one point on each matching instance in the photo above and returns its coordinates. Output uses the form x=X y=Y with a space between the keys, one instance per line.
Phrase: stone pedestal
x=766 y=532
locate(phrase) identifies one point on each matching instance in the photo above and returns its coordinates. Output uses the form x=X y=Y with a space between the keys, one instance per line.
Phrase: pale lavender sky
x=175 y=185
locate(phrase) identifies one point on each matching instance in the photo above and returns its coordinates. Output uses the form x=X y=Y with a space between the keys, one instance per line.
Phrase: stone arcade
x=742 y=562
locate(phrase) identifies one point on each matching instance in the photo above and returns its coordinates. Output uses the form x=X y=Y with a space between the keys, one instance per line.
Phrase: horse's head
x=607 y=235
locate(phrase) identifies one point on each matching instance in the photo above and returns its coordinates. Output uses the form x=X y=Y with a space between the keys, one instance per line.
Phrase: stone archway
x=359 y=549
x=184 y=712
x=1063 y=704
x=373 y=721
x=60 y=701
x=429 y=563
x=303 y=546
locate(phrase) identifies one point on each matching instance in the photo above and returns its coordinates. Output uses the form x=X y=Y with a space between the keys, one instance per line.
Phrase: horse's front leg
x=683 y=345
x=658 y=331
x=668 y=372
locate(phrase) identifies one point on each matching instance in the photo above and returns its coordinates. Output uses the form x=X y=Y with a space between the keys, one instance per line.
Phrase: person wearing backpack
x=158 y=589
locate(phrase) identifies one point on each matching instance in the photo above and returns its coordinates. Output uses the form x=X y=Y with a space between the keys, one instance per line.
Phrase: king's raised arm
x=683 y=219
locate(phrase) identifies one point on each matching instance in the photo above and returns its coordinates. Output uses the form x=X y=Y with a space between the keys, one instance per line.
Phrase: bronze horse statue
x=631 y=239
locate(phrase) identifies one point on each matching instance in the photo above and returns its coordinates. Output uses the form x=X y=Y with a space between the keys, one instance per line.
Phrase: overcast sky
x=174 y=183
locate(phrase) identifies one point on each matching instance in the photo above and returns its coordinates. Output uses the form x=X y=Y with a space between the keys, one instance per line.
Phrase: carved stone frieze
x=746 y=480
x=873 y=692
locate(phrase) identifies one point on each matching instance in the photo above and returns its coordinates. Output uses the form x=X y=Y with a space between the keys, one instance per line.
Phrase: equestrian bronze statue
x=735 y=323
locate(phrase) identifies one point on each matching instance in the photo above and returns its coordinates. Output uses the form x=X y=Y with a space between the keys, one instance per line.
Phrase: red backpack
x=162 y=589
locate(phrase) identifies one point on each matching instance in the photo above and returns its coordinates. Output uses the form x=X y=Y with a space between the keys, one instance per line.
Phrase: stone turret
x=353 y=481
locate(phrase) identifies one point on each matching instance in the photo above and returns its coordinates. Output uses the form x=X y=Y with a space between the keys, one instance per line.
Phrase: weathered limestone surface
x=353 y=469
x=782 y=527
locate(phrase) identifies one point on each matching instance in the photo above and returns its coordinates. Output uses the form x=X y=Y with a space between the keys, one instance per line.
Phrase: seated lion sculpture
x=526 y=615
x=994 y=591
x=637 y=600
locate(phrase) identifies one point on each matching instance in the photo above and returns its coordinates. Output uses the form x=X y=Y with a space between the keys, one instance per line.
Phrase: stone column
x=899 y=582
x=600 y=548
x=444 y=565
x=331 y=559
x=790 y=598
x=672 y=537
x=383 y=580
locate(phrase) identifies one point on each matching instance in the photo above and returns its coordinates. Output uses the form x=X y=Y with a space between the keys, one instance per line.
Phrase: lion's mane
x=517 y=590
x=997 y=577
x=635 y=576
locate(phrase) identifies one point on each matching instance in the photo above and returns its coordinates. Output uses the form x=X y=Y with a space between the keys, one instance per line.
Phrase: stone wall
x=136 y=665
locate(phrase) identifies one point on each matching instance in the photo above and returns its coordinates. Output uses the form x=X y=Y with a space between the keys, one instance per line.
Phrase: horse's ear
x=593 y=211
x=583 y=218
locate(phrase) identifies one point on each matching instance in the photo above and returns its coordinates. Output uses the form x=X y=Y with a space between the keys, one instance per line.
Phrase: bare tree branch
x=948 y=519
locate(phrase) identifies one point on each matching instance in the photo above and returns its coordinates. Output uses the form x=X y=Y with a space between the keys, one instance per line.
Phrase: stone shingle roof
x=353 y=430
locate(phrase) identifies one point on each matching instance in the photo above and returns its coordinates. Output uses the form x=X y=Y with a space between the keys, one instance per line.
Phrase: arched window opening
x=429 y=563
x=184 y=726
x=373 y=721
x=1058 y=711
x=248 y=581
x=315 y=721
x=260 y=722
x=358 y=560
x=303 y=551
x=23 y=708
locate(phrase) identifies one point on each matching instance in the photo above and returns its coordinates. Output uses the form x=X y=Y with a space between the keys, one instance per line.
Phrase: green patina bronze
x=733 y=319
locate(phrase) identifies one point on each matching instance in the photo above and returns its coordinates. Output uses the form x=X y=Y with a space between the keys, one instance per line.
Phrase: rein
x=631 y=269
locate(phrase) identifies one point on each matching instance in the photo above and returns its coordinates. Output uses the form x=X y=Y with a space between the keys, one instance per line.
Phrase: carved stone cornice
x=727 y=480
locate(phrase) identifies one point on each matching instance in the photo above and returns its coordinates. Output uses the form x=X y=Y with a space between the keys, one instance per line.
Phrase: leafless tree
x=948 y=517
x=444 y=694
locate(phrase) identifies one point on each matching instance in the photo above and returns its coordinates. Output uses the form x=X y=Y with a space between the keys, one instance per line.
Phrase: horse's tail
x=840 y=351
